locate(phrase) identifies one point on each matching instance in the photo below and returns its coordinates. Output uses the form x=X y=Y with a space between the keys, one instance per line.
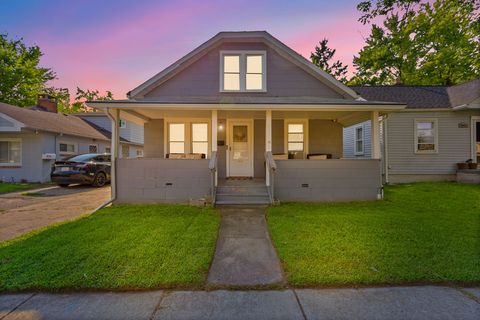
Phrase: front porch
x=267 y=156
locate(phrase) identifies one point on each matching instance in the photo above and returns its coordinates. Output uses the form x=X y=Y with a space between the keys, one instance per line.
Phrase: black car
x=89 y=168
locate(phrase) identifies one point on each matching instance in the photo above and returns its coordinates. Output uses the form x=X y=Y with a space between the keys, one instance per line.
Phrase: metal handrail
x=271 y=167
x=212 y=165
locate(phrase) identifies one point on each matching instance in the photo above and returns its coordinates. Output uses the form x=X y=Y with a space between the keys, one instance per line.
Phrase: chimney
x=47 y=103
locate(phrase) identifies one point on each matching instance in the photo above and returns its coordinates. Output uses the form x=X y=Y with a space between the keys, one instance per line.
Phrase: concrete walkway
x=244 y=254
x=20 y=214
x=427 y=302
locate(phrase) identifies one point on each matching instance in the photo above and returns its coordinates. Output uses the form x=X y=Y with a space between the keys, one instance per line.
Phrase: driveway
x=20 y=213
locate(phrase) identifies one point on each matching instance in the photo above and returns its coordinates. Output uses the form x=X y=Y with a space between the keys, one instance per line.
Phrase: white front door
x=240 y=148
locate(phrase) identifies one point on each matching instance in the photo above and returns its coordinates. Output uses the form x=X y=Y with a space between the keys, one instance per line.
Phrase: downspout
x=385 y=146
x=114 y=154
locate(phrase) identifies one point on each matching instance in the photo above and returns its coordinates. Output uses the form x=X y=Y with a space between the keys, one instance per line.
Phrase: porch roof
x=347 y=112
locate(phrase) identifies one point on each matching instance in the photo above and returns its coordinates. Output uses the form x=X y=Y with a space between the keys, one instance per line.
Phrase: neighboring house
x=32 y=138
x=240 y=118
x=439 y=128
x=129 y=131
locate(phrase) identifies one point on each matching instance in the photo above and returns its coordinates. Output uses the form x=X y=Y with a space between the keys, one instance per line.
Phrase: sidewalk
x=422 y=302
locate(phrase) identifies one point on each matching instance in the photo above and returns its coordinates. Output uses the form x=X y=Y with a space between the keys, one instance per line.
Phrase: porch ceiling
x=345 y=118
x=345 y=114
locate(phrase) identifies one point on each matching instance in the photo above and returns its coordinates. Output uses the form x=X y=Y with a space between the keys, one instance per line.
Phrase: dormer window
x=243 y=71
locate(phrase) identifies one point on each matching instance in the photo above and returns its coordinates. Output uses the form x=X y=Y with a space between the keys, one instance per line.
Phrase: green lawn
x=6 y=187
x=420 y=233
x=128 y=247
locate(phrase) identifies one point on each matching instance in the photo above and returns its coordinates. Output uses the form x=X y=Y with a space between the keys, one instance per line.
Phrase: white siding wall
x=349 y=141
x=454 y=143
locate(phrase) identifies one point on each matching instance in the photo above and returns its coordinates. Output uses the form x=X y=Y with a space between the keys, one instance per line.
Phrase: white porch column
x=268 y=142
x=114 y=149
x=375 y=135
x=214 y=138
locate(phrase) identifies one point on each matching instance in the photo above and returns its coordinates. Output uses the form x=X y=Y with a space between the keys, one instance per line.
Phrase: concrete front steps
x=242 y=195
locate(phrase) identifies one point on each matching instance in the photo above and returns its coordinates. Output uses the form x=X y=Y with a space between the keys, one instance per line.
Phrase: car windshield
x=82 y=157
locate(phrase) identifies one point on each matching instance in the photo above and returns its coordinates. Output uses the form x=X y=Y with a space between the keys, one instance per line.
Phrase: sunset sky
x=116 y=45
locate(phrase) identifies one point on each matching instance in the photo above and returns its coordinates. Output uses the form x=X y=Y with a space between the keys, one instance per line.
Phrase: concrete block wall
x=162 y=180
x=327 y=180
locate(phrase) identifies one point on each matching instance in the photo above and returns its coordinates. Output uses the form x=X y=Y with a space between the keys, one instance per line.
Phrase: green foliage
x=423 y=232
x=120 y=247
x=420 y=43
x=321 y=58
x=21 y=77
x=82 y=96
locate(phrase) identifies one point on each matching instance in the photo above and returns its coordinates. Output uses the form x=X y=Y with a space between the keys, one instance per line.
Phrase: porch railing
x=212 y=165
x=271 y=168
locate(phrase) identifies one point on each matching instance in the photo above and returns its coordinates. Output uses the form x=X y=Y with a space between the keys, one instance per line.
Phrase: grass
x=121 y=247
x=7 y=187
x=421 y=233
x=33 y=194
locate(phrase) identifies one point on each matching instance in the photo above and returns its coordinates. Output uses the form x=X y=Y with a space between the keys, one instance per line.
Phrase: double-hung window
x=66 y=148
x=243 y=71
x=176 y=138
x=10 y=152
x=296 y=139
x=188 y=137
x=359 y=140
x=426 y=136
x=200 y=138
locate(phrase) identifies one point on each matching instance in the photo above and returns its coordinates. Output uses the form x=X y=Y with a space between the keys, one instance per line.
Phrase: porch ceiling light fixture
x=220 y=127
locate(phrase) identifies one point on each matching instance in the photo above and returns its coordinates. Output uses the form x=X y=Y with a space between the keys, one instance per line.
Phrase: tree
x=419 y=42
x=21 y=77
x=321 y=58
x=82 y=96
x=62 y=95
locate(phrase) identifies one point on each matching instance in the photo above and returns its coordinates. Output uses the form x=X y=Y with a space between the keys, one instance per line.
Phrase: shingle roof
x=52 y=122
x=464 y=93
x=423 y=97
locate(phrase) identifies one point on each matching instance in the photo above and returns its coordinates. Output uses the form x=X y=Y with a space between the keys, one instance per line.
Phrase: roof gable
x=238 y=37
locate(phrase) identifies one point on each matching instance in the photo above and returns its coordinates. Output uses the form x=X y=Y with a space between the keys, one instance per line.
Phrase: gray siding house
x=245 y=119
x=32 y=138
x=439 y=128
x=128 y=131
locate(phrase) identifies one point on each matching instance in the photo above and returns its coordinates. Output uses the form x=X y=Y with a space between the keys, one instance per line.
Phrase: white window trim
x=188 y=133
x=286 y=122
x=473 y=128
x=75 y=145
x=435 y=133
x=21 y=152
x=243 y=69
x=356 y=152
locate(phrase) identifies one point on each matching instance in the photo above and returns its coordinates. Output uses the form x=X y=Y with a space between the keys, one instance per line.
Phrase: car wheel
x=100 y=180
x=64 y=185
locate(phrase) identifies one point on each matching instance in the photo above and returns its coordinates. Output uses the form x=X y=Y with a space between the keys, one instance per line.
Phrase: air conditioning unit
x=49 y=156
